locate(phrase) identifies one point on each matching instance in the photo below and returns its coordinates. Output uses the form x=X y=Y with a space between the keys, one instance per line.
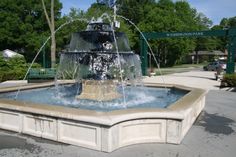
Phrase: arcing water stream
x=41 y=48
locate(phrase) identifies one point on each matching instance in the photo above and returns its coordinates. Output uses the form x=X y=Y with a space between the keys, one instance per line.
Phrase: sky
x=213 y=9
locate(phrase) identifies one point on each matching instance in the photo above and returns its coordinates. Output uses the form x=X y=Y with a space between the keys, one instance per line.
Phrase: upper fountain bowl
x=99 y=37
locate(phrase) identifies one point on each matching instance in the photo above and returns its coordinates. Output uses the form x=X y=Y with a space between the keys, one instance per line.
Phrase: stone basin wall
x=103 y=131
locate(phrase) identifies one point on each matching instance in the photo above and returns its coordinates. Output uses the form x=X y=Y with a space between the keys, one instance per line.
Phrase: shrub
x=35 y=65
x=229 y=80
x=12 y=69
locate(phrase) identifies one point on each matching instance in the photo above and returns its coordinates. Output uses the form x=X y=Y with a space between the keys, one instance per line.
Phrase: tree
x=64 y=35
x=225 y=23
x=134 y=9
x=96 y=10
x=165 y=16
x=228 y=22
x=23 y=27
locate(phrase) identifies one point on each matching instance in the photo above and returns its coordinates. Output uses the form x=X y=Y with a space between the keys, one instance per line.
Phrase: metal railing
x=41 y=73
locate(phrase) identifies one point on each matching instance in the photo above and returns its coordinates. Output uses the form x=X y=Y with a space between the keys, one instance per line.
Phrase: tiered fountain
x=99 y=101
x=92 y=59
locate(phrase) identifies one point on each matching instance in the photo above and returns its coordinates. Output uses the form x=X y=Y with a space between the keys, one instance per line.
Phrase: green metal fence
x=229 y=33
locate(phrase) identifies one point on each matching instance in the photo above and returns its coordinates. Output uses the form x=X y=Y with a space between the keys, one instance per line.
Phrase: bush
x=35 y=65
x=229 y=80
x=12 y=69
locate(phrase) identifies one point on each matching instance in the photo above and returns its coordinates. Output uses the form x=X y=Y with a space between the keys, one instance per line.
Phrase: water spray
x=158 y=65
x=41 y=48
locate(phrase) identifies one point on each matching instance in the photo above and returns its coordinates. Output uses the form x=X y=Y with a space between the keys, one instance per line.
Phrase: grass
x=188 y=65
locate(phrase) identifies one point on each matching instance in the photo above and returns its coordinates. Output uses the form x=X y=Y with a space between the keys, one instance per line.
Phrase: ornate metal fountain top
x=99 y=37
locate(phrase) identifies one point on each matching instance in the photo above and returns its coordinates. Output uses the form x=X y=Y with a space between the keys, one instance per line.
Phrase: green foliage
x=135 y=10
x=165 y=16
x=3 y=62
x=96 y=10
x=23 y=25
x=12 y=69
x=229 y=80
x=228 y=22
x=63 y=36
x=220 y=43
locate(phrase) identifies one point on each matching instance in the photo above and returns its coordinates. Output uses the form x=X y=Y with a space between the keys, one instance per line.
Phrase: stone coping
x=174 y=111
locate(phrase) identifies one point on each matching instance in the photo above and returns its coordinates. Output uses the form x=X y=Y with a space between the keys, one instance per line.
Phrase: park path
x=194 y=78
x=197 y=78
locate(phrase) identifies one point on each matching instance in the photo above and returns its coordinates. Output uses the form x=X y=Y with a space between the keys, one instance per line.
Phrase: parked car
x=214 y=65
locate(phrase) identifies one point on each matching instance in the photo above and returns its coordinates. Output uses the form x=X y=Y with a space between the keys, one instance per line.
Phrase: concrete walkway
x=212 y=135
x=13 y=83
x=195 y=78
x=198 y=79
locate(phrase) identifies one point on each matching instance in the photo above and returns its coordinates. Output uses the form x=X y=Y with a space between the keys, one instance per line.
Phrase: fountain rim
x=174 y=111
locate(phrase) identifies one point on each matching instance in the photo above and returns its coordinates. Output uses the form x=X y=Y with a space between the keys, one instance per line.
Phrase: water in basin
x=136 y=97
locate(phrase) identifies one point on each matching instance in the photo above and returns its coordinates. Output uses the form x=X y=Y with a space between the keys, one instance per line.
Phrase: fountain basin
x=103 y=131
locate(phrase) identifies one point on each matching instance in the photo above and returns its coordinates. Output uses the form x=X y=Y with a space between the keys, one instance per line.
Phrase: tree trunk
x=53 y=39
x=197 y=57
x=51 y=24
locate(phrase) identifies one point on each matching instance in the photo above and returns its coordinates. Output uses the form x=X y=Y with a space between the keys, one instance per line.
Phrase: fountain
x=93 y=60
x=99 y=101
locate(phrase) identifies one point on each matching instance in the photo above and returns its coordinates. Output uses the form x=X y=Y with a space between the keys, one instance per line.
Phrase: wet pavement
x=212 y=135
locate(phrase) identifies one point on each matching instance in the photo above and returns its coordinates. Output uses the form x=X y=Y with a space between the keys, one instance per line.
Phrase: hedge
x=229 y=80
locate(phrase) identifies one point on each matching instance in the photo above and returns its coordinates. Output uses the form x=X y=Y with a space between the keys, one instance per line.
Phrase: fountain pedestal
x=99 y=90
